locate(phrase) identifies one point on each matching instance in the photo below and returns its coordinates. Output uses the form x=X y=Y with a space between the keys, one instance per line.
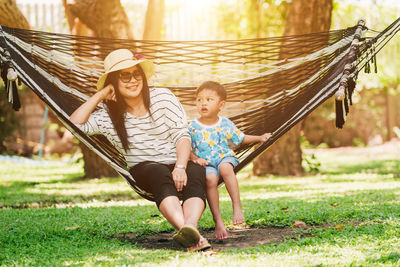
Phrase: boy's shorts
x=214 y=167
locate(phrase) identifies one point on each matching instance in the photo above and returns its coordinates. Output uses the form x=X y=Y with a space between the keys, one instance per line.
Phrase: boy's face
x=208 y=103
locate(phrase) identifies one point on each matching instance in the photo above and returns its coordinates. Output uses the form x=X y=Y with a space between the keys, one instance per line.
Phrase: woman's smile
x=132 y=87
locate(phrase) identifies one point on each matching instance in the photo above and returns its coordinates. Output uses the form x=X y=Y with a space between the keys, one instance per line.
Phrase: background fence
x=183 y=19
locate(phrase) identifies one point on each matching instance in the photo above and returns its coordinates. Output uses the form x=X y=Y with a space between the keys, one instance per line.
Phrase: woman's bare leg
x=192 y=210
x=178 y=215
x=170 y=207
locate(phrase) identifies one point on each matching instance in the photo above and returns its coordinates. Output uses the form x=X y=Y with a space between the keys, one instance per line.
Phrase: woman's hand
x=108 y=93
x=180 y=178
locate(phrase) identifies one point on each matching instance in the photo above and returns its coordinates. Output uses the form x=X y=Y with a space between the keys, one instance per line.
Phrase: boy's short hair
x=215 y=86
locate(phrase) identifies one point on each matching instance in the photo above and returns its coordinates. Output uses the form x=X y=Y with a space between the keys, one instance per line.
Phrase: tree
x=11 y=16
x=107 y=19
x=251 y=18
x=154 y=20
x=285 y=156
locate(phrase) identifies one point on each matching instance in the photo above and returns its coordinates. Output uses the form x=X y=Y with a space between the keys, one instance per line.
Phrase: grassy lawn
x=49 y=216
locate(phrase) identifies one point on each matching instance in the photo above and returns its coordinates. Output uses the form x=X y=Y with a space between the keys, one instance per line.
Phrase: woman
x=149 y=127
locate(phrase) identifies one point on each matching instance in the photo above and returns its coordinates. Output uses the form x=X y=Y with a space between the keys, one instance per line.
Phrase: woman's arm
x=182 y=151
x=175 y=118
x=182 y=156
x=82 y=114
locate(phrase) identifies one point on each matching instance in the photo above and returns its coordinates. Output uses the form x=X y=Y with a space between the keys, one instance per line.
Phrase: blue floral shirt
x=211 y=142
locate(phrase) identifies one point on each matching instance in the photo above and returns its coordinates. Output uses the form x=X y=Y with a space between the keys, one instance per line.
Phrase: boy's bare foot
x=220 y=231
x=238 y=216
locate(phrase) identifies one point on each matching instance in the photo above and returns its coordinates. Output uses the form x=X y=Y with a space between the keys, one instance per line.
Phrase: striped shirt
x=149 y=138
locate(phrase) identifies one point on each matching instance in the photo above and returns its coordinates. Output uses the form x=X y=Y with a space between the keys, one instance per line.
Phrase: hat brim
x=146 y=65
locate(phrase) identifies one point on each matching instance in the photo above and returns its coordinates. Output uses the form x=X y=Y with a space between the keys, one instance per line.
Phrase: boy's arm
x=248 y=139
x=198 y=160
x=193 y=156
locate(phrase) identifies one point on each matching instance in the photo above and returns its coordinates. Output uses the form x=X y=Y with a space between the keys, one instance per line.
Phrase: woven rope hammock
x=272 y=83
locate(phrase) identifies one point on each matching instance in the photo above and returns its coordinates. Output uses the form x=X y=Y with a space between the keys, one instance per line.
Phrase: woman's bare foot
x=238 y=217
x=220 y=231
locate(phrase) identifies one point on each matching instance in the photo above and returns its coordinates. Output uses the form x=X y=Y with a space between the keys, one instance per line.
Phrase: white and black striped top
x=150 y=138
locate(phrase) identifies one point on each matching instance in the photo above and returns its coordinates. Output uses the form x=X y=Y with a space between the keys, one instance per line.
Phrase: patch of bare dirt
x=238 y=238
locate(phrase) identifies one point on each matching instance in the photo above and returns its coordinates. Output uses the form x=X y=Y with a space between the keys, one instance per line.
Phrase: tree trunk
x=94 y=166
x=154 y=20
x=284 y=157
x=390 y=115
x=107 y=19
x=254 y=17
x=76 y=27
x=11 y=16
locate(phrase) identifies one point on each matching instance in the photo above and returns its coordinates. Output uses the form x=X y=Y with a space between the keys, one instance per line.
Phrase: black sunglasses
x=126 y=77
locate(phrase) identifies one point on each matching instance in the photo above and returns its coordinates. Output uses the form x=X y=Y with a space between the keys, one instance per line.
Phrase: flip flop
x=203 y=247
x=187 y=236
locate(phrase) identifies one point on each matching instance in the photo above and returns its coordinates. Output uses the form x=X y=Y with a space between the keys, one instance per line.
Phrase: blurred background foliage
x=252 y=19
x=10 y=125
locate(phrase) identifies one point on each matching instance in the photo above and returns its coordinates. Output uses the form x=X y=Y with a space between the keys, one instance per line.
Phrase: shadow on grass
x=115 y=235
x=28 y=194
x=381 y=167
x=357 y=205
x=392 y=258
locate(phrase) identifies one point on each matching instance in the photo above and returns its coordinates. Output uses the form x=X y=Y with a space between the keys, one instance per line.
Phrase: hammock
x=272 y=83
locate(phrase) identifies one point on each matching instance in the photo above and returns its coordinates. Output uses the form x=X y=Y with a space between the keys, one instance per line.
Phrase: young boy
x=211 y=138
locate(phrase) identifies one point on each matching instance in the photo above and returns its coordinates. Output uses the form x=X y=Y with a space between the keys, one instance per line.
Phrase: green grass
x=49 y=216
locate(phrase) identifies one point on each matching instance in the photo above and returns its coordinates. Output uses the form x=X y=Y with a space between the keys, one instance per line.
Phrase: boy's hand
x=200 y=161
x=265 y=137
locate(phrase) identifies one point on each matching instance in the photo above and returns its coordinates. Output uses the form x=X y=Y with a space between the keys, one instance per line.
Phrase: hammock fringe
x=9 y=77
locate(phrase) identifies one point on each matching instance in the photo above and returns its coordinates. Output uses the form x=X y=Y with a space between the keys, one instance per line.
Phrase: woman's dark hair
x=117 y=109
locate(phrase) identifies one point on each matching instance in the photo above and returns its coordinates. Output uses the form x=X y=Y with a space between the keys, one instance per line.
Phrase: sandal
x=202 y=247
x=187 y=236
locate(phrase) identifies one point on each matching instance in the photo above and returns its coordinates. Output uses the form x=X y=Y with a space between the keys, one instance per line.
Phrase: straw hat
x=121 y=59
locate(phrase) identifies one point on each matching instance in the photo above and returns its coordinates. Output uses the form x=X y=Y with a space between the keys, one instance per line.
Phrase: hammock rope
x=272 y=83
